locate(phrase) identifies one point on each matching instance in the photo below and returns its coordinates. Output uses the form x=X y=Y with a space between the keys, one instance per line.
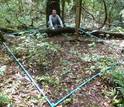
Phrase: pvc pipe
x=29 y=76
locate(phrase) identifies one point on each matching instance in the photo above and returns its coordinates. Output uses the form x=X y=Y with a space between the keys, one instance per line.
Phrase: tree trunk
x=108 y=34
x=58 y=31
x=106 y=14
x=98 y=33
x=63 y=10
x=78 y=15
x=102 y=34
x=52 y=4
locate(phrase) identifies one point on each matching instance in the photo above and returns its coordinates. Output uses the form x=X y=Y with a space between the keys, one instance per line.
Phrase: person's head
x=54 y=12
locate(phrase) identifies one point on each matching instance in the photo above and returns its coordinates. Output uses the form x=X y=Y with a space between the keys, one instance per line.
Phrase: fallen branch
x=98 y=33
x=58 y=31
x=108 y=34
x=7 y=30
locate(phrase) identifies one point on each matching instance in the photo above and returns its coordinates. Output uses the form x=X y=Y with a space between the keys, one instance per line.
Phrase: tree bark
x=78 y=15
x=102 y=34
x=58 y=31
x=97 y=33
x=108 y=35
x=63 y=10
x=106 y=14
x=7 y=30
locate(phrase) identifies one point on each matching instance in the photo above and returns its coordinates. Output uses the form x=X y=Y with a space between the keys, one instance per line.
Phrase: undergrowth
x=37 y=51
x=4 y=100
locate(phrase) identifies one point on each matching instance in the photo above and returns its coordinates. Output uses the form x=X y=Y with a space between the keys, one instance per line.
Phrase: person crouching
x=55 y=21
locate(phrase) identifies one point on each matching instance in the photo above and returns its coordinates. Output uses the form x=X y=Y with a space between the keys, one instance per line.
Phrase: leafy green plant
x=4 y=100
x=117 y=94
x=118 y=78
x=104 y=63
x=92 y=45
x=48 y=80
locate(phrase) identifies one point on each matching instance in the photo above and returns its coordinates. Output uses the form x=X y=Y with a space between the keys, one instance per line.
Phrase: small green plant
x=92 y=45
x=118 y=78
x=117 y=94
x=48 y=80
x=104 y=63
x=4 y=100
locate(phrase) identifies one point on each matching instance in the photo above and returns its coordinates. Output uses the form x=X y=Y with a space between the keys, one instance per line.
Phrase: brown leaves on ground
x=70 y=73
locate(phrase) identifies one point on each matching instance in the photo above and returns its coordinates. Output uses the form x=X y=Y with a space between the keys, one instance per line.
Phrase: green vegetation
x=41 y=53
x=22 y=14
x=118 y=77
x=4 y=100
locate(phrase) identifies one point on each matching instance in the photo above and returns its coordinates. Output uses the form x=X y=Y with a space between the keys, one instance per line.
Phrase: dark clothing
x=55 y=21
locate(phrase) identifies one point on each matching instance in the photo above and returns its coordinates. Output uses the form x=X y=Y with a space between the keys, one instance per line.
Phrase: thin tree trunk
x=63 y=10
x=106 y=14
x=78 y=15
x=110 y=14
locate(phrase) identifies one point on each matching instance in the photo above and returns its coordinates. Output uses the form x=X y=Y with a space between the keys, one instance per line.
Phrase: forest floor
x=75 y=61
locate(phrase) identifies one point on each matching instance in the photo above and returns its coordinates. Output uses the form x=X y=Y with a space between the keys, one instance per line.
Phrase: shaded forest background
x=95 y=14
